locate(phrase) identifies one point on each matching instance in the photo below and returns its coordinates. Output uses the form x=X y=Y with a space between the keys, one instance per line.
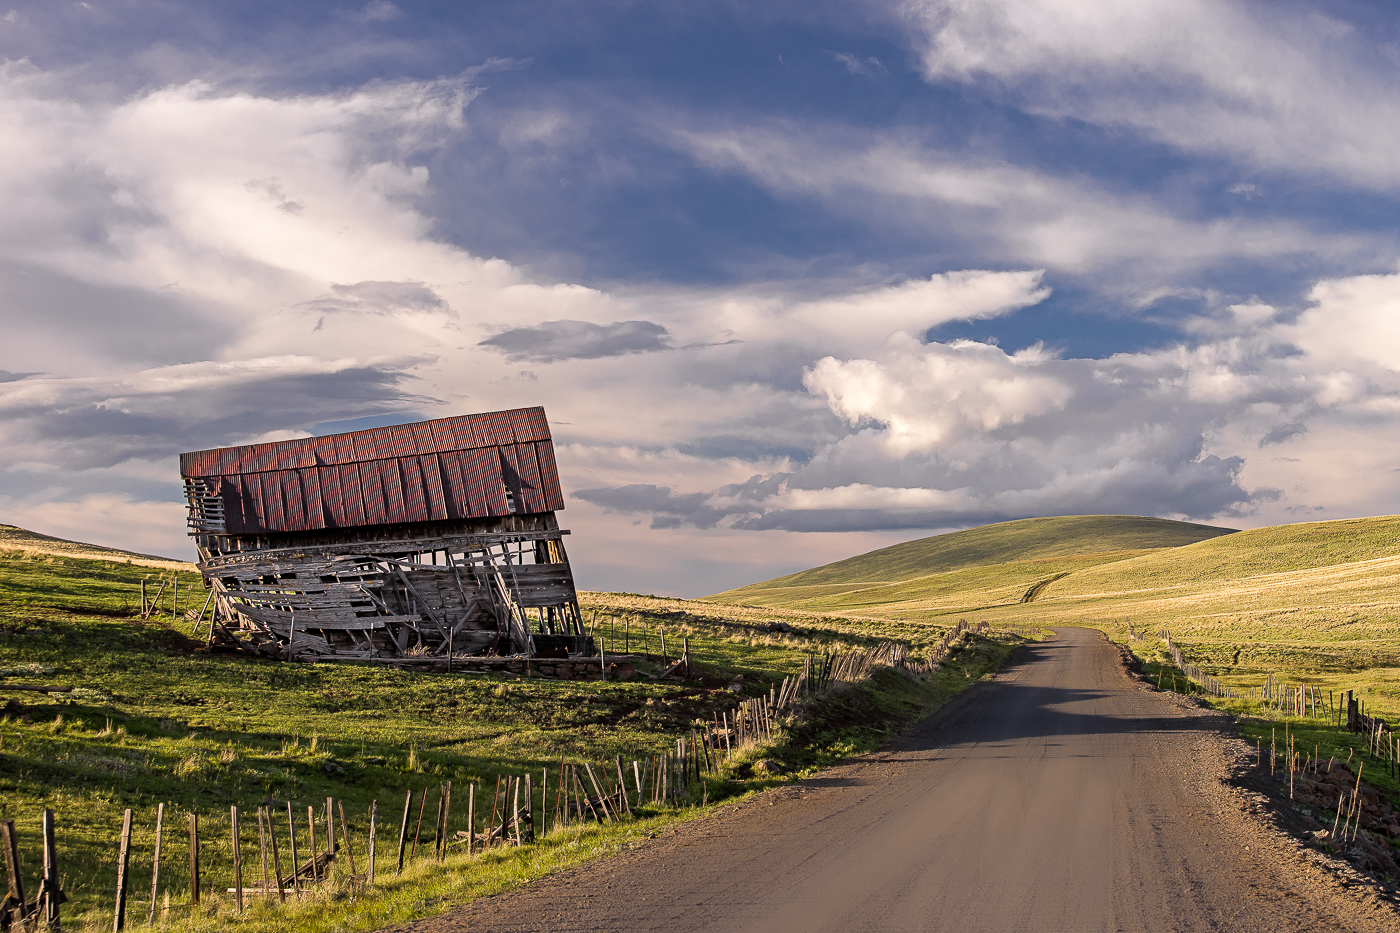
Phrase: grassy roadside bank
x=851 y=720
x=152 y=717
x=1296 y=758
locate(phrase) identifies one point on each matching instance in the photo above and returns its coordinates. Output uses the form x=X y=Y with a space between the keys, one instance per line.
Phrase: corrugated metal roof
x=448 y=468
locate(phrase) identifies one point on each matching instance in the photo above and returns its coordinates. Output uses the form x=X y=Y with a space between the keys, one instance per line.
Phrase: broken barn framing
x=431 y=539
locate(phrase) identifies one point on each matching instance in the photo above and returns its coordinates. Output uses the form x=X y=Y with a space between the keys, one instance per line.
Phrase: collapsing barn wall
x=482 y=575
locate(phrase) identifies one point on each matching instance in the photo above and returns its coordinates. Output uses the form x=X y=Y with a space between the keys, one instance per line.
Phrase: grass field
x=154 y=717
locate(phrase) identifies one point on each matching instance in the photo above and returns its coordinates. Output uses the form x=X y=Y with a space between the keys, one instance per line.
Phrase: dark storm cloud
x=81 y=432
x=552 y=341
x=379 y=298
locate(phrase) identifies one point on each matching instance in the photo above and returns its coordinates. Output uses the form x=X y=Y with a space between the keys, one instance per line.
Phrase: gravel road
x=1060 y=796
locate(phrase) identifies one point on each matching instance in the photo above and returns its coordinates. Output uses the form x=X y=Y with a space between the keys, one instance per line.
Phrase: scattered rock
x=735 y=687
x=331 y=767
x=767 y=766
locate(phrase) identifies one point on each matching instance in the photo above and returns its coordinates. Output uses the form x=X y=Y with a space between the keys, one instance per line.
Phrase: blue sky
x=792 y=282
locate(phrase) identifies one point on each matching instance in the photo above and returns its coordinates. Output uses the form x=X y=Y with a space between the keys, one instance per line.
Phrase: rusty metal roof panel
x=536 y=425
x=293 y=501
x=332 y=496
x=421 y=436
x=549 y=476
x=491 y=431
x=484 y=468
x=415 y=495
x=528 y=425
x=532 y=497
x=510 y=474
x=446 y=468
x=351 y=497
x=432 y=486
x=456 y=501
x=314 y=497
x=376 y=502
x=391 y=480
x=270 y=492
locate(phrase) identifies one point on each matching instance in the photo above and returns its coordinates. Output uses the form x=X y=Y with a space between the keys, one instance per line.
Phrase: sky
x=793 y=281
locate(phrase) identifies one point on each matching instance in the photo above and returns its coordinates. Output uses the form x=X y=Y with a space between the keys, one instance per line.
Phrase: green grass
x=155 y=718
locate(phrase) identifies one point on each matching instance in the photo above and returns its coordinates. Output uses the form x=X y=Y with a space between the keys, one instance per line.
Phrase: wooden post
x=51 y=893
x=143 y=597
x=205 y=608
x=194 y=860
x=403 y=829
x=262 y=851
x=471 y=819
x=529 y=809
x=685 y=654
x=277 y=858
x=345 y=840
x=515 y=811
x=237 y=860
x=296 y=862
x=446 y=820
x=588 y=769
x=544 y=802
x=602 y=658
x=13 y=868
x=155 y=863
x=123 y=864
x=622 y=785
x=311 y=840
x=373 y=831
x=418 y=828
x=174 y=597
x=331 y=846
x=491 y=826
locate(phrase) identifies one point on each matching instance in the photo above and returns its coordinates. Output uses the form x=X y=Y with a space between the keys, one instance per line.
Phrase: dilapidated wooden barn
x=428 y=539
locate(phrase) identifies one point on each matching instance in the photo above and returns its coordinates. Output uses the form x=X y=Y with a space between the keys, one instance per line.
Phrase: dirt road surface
x=1059 y=797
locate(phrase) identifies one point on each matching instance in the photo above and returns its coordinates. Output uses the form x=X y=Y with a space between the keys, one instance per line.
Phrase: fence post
x=53 y=897
x=194 y=860
x=296 y=862
x=155 y=863
x=13 y=868
x=237 y=859
x=123 y=855
x=403 y=829
x=373 y=831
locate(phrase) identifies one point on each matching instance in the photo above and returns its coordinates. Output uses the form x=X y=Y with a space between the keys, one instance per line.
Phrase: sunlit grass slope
x=966 y=570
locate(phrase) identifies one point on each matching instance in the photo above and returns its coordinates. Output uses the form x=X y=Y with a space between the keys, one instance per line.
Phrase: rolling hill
x=999 y=562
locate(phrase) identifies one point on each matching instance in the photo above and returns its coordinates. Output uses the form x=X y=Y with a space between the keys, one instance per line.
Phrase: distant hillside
x=14 y=538
x=1097 y=537
x=1278 y=549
